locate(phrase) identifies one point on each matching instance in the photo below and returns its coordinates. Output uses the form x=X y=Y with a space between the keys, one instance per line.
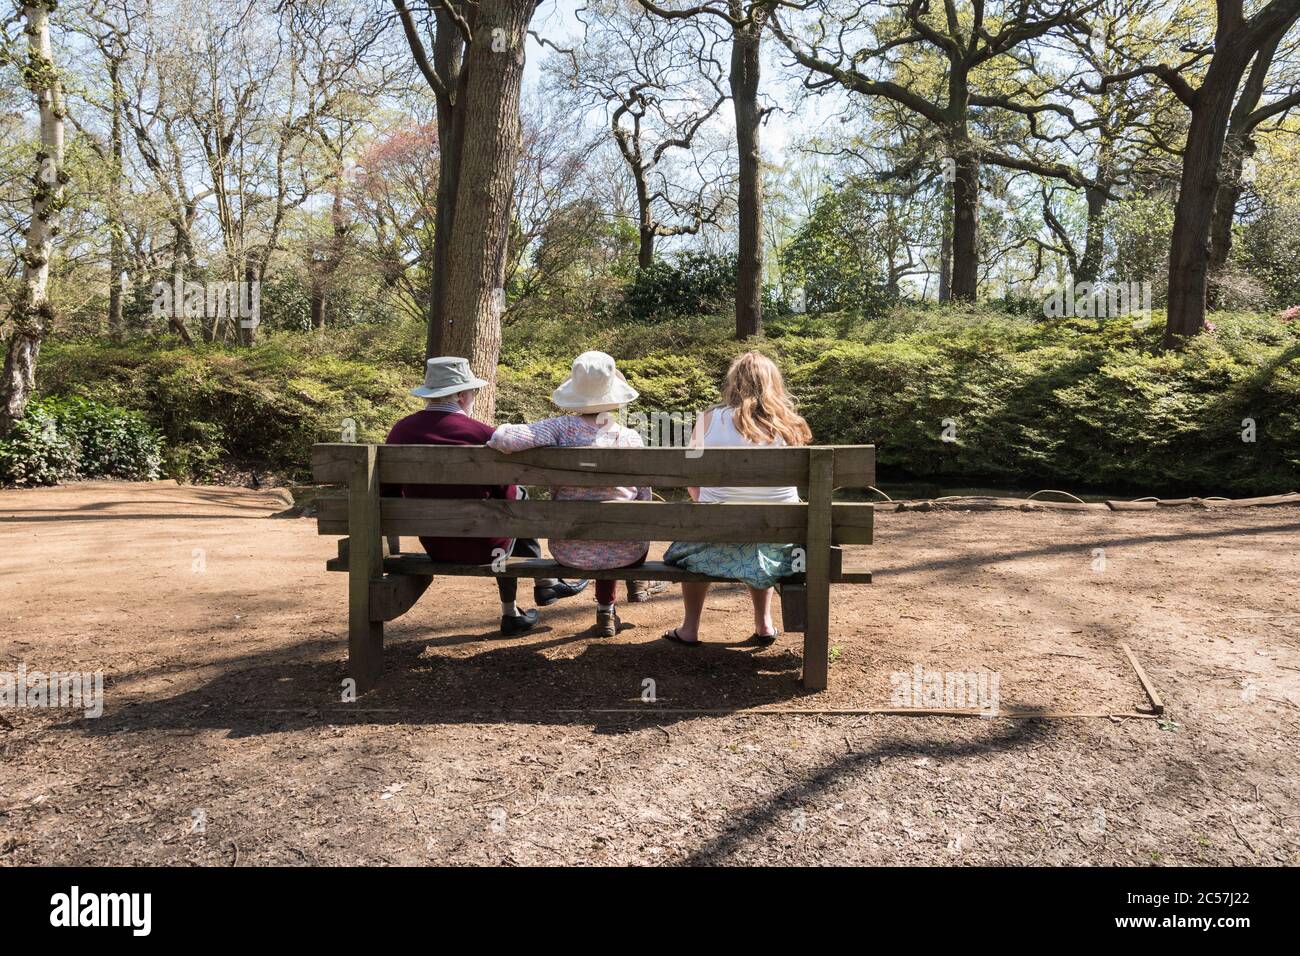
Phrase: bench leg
x=365 y=564
x=794 y=608
x=365 y=646
x=816 y=640
x=816 y=635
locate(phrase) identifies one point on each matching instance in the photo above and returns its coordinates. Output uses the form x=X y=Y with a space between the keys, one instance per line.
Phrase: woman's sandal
x=678 y=639
x=762 y=640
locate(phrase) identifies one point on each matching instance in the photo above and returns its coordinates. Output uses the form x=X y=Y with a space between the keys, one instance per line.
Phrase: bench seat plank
x=855 y=466
x=602 y=520
x=421 y=565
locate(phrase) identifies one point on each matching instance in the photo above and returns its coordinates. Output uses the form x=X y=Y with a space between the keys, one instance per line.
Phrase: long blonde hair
x=761 y=408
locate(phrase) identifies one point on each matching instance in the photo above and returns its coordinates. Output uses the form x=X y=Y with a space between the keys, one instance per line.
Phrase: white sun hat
x=594 y=385
x=447 y=375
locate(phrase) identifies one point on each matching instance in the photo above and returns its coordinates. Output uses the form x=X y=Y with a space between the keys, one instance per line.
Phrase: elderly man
x=448 y=392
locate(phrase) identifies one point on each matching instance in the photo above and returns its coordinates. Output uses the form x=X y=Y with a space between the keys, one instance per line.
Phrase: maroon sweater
x=449 y=428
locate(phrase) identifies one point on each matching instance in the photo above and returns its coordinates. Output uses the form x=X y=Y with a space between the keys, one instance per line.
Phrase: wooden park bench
x=384 y=583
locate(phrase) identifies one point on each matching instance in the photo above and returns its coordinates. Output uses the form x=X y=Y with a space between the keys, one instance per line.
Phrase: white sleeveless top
x=722 y=433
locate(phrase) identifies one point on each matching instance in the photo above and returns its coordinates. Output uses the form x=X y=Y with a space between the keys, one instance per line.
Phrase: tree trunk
x=945 y=246
x=32 y=312
x=181 y=250
x=965 y=226
x=117 y=283
x=324 y=268
x=1225 y=211
x=1095 y=236
x=645 y=250
x=248 y=293
x=316 y=303
x=448 y=78
x=745 y=52
x=449 y=66
x=1237 y=43
x=1189 y=252
x=490 y=151
x=1238 y=145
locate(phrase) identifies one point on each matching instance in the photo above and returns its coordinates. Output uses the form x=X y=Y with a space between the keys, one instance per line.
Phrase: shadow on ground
x=547 y=679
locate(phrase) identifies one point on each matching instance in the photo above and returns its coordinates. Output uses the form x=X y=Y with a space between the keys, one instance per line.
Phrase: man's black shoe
x=549 y=594
x=521 y=622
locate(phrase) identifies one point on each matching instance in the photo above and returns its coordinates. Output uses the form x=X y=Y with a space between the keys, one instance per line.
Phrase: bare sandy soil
x=225 y=740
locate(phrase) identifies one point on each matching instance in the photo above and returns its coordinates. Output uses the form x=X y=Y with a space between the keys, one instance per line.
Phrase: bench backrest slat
x=855 y=466
x=851 y=523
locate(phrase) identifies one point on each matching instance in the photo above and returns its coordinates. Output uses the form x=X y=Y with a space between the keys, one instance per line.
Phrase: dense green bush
x=1085 y=403
x=36 y=452
x=695 y=283
x=110 y=442
x=1080 y=403
x=285 y=302
x=1077 y=403
x=262 y=406
x=61 y=439
x=1140 y=230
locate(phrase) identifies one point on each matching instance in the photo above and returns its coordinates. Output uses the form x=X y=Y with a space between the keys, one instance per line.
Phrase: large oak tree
x=867 y=51
x=1237 y=42
x=476 y=75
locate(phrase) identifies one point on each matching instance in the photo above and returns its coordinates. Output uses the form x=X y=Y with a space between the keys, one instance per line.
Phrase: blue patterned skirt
x=758 y=565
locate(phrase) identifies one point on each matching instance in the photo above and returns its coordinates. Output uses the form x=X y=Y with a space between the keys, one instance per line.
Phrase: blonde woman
x=756 y=410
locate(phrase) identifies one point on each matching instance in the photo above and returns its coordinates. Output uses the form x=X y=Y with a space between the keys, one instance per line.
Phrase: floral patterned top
x=600 y=431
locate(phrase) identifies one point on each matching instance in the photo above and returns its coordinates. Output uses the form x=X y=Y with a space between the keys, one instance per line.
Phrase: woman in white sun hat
x=594 y=389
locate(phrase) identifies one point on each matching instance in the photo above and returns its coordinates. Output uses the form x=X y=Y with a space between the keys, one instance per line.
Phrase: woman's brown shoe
x=607 y=623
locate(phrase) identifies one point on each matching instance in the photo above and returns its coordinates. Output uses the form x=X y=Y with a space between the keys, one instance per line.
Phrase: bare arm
x=697 y=436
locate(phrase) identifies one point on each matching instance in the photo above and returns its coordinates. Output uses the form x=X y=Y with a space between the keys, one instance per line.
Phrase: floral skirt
x=758 y=565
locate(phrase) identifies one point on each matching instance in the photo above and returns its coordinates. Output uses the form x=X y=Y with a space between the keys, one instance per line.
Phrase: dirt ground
x=224 y=739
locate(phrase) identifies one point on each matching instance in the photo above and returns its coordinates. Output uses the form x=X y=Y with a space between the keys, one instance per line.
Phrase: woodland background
x=879 y=194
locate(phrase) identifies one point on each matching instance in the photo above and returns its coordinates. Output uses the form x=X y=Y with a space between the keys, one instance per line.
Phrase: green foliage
x=1078 y=403
x=62 y=439
x=580 y=264
x=285 y=303
x=1268 y=249
x=836 y=254
x=692 y=284
x=110 y=442
x=1084 y=403
x=1140 y=231
x=35 y=452
x=262 y=406
x=673 y=382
